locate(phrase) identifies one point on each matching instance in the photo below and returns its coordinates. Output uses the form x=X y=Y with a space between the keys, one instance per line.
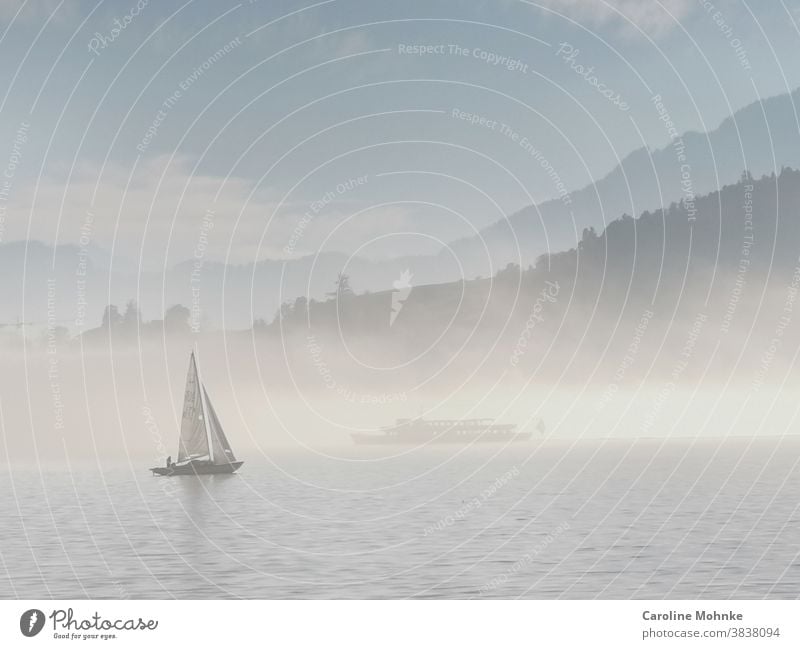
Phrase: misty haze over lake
x=564 y=237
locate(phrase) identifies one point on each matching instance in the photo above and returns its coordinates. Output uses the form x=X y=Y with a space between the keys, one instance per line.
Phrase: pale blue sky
x=321 y=94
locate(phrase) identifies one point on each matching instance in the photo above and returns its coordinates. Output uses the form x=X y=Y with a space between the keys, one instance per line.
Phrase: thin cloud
x=28 y=10
x=170 y=212
x=653 y=17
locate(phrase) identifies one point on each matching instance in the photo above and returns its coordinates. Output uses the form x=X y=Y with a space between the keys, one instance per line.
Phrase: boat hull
x=195 y=468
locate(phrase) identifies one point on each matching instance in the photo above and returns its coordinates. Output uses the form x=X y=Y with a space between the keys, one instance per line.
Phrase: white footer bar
x=400 y=624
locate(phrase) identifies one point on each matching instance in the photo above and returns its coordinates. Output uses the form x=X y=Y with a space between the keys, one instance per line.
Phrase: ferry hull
x=195 y=469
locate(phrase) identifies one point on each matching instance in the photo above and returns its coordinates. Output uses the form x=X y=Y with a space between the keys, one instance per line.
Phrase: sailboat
x=202 y=446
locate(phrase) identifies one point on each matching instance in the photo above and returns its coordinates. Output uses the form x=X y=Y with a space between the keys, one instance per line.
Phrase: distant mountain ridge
x=717 y=287
x=72 y=287
x=760 y=137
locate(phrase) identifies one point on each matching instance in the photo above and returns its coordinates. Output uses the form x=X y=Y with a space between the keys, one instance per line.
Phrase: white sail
x=221 y=452
x=193 y=441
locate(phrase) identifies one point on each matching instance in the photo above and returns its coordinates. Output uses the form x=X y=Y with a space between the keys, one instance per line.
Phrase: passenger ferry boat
x=444 y=431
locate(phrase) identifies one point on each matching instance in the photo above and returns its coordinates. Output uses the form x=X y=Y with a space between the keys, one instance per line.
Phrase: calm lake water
x=613 y=519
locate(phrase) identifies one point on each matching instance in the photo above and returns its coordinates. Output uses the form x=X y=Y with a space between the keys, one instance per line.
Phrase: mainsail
x=193 y=442
x=202 y=436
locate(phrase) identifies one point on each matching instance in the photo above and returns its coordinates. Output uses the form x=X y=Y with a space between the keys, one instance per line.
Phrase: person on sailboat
x=169 y=461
